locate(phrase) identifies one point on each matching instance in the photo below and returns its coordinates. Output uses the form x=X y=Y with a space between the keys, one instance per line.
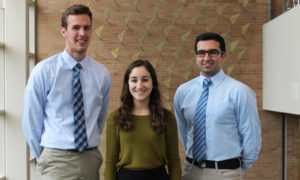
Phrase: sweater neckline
x=134 y=115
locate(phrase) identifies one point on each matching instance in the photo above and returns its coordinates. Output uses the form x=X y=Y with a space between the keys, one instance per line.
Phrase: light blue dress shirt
x=48 y=119
x=232 y=124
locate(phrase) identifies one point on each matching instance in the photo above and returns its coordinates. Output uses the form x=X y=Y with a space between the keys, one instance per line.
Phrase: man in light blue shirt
x=49 y=112
x=232 y=126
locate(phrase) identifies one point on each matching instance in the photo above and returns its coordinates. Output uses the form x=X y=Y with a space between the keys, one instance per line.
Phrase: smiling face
x=77 y=35
x=140 y=84
x=209 y=65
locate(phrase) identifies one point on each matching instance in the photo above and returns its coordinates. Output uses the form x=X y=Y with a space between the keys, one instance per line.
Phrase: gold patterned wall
x=163 y=31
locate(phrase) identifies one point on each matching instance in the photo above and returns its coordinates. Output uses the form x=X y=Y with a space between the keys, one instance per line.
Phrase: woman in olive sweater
x=141 y=136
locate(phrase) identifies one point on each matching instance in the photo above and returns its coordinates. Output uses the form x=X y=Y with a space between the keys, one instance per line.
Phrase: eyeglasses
x=212 y=53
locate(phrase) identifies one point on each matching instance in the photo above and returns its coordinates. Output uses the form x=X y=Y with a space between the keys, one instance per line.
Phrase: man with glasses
x=217 y=118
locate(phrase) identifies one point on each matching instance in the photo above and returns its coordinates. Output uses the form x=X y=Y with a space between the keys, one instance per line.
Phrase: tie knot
x=77 y=67
x=206 y=82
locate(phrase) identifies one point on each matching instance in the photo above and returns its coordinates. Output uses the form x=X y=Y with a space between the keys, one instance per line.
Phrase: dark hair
x=158 y=115
x=211 y=36
x=75 y=9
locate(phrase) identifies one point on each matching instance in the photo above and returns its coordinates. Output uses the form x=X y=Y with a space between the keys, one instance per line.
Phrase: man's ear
x=63 y=31
x=223 y=56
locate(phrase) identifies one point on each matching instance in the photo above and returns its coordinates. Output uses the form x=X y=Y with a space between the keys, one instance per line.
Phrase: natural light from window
x=2 y=130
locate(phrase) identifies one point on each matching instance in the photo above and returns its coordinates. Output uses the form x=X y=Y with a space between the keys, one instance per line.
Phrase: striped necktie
x=199 y=144
x=80 y=137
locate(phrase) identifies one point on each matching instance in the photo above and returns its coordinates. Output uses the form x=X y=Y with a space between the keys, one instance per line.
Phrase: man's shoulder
x=236 y=85
x=187 y=85
x=186 y=89
x=50 y=59
x=46 y=64
x=190 y=82
x=97 y=66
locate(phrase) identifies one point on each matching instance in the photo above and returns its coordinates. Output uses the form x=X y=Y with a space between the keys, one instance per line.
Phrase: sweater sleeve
x=112 y=148
x=173 y=150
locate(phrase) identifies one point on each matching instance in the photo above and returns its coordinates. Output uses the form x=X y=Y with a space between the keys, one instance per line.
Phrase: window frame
x=16 y=70
x=2 y=100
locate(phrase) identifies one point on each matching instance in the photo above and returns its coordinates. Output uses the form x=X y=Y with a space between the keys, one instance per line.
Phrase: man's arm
x=181 y=122
x=34 y=113
x=249 y=126
x=104 y=109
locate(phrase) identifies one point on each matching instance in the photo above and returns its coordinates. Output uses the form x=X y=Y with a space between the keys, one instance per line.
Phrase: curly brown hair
x=158 y=115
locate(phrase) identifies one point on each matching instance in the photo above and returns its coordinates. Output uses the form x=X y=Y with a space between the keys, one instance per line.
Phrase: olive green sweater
x=141 y=148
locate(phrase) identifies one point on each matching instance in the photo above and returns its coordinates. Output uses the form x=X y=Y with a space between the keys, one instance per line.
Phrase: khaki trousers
x=55 y=164
x=191 y=172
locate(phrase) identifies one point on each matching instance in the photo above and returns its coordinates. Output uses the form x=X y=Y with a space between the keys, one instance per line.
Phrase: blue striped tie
x=199 y=144
x=80 y=138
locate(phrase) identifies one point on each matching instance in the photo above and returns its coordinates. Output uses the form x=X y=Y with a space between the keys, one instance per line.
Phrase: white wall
x=281 y=63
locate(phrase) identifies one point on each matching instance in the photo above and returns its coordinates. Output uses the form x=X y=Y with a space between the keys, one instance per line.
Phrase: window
x=2 y=129
x=31 y=34
x=13 y=65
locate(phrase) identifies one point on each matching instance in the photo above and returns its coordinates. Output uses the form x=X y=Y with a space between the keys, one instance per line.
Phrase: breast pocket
x=223 y=113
